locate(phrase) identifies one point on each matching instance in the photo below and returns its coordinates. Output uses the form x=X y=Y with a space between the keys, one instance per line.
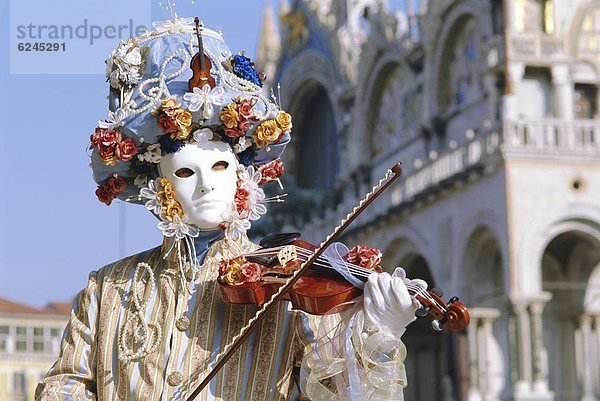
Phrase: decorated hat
x=162 y=91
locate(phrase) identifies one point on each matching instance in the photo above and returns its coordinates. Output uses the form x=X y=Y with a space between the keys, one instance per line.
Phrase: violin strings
x=354 y=269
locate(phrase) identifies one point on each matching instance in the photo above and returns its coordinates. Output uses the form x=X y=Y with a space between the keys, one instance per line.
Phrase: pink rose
x=250 y=272
x=223 y=267
x=167 y=123
x=126 y=150
x=365 y=257
x=110 y=137
x=244 y=108
x=271 y=171
x=241 y=200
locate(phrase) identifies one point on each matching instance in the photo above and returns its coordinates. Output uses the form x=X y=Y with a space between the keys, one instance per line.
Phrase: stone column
x=473 y=328
x=587 y=377
x=479 y=336
x=563 y=91
x=539 y=358
x=596 y=352
x=523 y=383
x=514 y=75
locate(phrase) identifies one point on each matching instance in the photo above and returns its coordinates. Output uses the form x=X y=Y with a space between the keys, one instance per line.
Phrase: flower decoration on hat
x=126 y=64
x=154 y=111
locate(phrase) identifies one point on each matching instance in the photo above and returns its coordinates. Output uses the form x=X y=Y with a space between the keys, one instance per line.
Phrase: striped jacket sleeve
x=73 y=375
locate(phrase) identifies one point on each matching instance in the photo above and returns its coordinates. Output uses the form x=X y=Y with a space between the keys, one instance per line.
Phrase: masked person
x=147 y=327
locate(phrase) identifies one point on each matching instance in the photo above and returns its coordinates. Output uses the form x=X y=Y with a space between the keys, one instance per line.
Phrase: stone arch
x=580 y=217
x=380 y=66
x=306 y=67
x=399 y=243
x=493 y=223
x=575 y=24
x=570 y=273
x=483 y=264
x=314 y=156
x=387 y=101
x=308 y=94
x=439 y=42
x=425 y=362
x=483 y=289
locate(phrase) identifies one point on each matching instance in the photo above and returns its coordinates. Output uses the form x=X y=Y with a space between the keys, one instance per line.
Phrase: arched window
x=391 y=104
x=315 y=159
x=459 y=76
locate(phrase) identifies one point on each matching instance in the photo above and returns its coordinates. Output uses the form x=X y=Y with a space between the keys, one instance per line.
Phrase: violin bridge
x=287 y=254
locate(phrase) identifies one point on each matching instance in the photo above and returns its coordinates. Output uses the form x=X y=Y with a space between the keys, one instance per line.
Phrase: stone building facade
x=493 y=109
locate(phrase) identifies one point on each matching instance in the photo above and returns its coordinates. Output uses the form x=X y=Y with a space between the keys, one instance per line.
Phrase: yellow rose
x=167 y=194
x=183 y=118
x=233 y=277
x=284 y=120
x=267 y=132
x=229 y=115
x=173 y=209
x=170 y=103
x=167 y=104
x=165 y=183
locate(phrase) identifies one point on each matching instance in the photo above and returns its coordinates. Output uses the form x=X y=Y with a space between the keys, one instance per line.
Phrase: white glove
x=388 y=306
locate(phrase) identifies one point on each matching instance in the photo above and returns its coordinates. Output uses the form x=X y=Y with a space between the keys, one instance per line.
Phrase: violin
x=321 y=288
x=200 y=65
x=454 y=315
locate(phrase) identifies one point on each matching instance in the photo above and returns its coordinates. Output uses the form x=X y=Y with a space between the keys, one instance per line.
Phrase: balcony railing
x=553 y=135
x=442 y=170
x=532 y=139
x=538 y=46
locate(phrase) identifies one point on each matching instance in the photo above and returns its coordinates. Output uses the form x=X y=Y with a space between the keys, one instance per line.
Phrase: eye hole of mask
x=220 y=166
x=184 y=172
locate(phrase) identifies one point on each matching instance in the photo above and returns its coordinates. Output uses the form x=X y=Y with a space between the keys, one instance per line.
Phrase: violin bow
x=221 y=359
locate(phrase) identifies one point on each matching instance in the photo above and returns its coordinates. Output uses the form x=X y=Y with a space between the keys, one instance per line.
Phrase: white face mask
x=204 y=175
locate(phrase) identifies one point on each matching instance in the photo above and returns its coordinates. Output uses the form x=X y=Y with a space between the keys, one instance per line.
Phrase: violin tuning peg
x=452 y=300
x=437 y=291
x=436 y=325
x=421 y=312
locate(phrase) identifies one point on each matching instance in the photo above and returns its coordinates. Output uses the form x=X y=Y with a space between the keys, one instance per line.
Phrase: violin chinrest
x=280 y=239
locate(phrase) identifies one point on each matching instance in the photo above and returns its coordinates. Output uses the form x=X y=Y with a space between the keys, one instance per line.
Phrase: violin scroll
x=453 y=314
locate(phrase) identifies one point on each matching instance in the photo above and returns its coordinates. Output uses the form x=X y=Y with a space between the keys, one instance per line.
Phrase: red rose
x=110 y=137
x=234 y=132
x=126 y=150
x=365 y=257
x=167 y=123
x=104 y=196
x=106 y=151
x=241 y=200
x=116 y=185
x=271 y=171
x=96 y=137
x=250 y=272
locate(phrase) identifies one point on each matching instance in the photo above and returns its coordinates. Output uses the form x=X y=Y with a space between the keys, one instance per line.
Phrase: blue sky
x=53 y=229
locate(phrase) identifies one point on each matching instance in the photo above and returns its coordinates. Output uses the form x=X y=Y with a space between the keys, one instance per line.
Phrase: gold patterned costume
x=194 y=327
